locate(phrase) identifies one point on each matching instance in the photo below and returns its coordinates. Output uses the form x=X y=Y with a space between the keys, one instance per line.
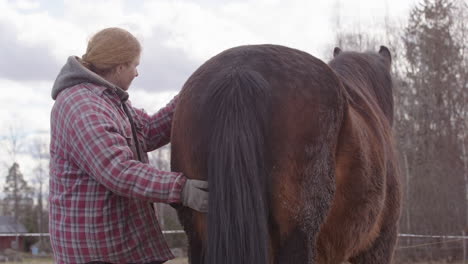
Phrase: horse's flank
x=367 y=172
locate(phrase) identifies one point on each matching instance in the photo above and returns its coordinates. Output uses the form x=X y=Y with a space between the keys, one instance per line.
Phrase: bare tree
x=12 y=143
x=40 y=152
x=434 y=103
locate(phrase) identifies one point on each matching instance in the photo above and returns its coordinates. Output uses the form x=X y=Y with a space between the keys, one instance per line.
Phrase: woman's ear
x=119 y=69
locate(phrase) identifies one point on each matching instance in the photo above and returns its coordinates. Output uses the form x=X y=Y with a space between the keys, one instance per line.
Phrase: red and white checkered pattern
x=100 y=195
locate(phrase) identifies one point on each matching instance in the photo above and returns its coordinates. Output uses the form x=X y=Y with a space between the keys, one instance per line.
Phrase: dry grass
x=33 y=261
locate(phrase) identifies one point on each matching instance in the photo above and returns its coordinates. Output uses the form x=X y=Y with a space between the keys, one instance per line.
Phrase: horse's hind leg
x=299 y=245
x=294 y=248
x=381 y=251
x=303 y=205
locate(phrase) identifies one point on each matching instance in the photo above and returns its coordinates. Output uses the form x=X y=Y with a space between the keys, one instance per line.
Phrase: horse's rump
x=299 y=159
x=279 y=109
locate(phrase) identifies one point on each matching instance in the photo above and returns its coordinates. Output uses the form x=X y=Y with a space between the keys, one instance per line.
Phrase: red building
x=8 y=233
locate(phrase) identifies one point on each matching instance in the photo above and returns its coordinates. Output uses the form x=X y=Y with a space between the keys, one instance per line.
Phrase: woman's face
x=126 y=73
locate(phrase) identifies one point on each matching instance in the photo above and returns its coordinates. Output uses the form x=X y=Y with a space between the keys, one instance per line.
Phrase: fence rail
x=47 y=234
x=432 y=236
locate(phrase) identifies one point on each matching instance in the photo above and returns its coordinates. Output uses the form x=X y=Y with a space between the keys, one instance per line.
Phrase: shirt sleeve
x=157 y=127
x=97 y=147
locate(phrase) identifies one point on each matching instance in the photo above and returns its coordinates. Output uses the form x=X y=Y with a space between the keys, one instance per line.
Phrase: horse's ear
x=385 y=52
x=336 y=51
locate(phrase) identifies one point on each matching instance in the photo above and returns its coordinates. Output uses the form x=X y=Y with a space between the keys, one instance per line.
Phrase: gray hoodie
x=73 y=73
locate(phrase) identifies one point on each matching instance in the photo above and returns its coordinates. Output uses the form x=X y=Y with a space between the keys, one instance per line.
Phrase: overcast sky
x=37 y=36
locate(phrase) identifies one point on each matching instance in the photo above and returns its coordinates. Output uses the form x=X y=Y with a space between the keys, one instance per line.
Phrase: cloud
x=180 y=35
x=203 y=31
x=163 y=68
x=33 y=43
x=36 y=44
x=22 y=61
x=25 y=103
x=149 y=101
x=26 y=4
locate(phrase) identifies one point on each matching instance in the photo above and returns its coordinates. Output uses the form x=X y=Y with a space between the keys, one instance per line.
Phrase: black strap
x=135 y=139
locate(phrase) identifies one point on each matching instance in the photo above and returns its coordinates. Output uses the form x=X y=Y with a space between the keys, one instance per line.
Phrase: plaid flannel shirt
x=100 y=195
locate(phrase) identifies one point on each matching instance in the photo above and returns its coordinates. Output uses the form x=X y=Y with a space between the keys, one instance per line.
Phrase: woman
x=101 y=185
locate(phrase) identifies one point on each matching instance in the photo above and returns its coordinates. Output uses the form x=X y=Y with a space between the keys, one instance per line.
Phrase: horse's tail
x=238 y=104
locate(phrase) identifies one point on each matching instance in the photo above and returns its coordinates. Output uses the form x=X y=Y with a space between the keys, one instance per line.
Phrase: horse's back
x=303 y=91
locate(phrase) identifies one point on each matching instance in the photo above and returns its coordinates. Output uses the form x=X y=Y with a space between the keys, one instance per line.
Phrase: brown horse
x=299 y=157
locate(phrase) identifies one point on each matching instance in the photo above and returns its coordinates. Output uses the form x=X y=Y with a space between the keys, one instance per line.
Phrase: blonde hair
x=109 y=48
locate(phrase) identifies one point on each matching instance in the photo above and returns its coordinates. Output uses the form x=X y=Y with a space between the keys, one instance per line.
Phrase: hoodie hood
x=73 y=73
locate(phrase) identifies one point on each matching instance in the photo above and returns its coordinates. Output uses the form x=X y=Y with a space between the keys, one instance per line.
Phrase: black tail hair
x=235 y=116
